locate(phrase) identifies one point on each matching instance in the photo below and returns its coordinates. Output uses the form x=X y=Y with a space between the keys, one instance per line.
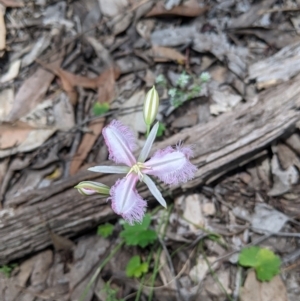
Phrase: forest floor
x=227 y=73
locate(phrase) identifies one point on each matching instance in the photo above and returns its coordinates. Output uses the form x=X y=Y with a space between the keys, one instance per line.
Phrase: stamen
x=137 y=168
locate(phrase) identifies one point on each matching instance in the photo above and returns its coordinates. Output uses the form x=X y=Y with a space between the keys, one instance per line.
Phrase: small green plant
x=100 y=108
x=105 y=230
x=264 y=261
x=136 y=268
x=161 y=130
x=7 y=269
x=161 y=80
x=110 y=293
x=139 y=234
x=184 y=91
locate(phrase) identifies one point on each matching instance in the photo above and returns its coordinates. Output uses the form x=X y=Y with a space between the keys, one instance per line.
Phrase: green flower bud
x=90 y=188
x=151 y=107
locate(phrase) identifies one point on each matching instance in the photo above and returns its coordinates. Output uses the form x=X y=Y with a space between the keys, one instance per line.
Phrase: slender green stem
x=156 y=264
x=213 y=274
x=101 y=266
x=138 y=294
x=148 y=130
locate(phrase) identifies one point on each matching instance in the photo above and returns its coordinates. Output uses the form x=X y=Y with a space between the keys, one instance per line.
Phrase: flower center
x=137 y=168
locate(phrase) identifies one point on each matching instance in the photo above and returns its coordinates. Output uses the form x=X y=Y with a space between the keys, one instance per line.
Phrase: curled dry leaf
x=189 y=8
x=165 y=54
x=104 y=82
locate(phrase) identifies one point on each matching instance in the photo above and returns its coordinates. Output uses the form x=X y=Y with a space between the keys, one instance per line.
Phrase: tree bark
x=219 y=146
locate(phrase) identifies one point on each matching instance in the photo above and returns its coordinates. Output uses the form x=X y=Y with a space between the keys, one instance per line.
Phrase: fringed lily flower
x=170 y=165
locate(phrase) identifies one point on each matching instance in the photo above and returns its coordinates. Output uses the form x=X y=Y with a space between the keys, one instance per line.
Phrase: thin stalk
x=156 y=264
x=213 y=274
x=101 y=266
x=148 y=130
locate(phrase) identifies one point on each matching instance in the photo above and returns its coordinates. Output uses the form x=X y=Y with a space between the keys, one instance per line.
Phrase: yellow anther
x=137 y=168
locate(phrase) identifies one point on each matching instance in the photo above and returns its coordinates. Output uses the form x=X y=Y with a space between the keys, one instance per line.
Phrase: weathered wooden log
x=219 y=146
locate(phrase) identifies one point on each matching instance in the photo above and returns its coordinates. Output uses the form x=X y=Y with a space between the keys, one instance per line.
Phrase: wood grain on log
x=219 y=146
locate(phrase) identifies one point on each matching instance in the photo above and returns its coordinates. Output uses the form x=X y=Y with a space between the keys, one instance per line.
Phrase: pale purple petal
x=154 y=190
x=120 y=142
x=126 y=201
x=172 y=166
x=110 y=169
x=148 y=144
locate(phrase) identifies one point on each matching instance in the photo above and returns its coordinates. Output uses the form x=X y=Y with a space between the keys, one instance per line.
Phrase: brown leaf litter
x=243 y=125
x=190 y=8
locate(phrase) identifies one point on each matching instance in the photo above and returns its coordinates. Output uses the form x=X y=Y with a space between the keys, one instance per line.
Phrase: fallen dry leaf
x=21 y=139
x=113 y=7
x=189 y=8
x=87 y=142
x=104 y=82
x=120 y=23
x=69 y=80
x=30 y=93
x=36 y=127
x=165 y=54
x=13 y=135
x=12 y=3
x=263 y=291
x=2 y=29
x=106 y=92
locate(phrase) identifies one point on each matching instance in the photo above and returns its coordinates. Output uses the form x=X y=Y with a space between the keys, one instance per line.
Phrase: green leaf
x=264 y=261
x=248 y=257
x=7 y=269
x=135 y=268
x=111 y=294
x=100 y=108
x=161 y=129
x=183 y=80
x=268 y=265
x=139 y=234
x=105 y=230
x=161 y=80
